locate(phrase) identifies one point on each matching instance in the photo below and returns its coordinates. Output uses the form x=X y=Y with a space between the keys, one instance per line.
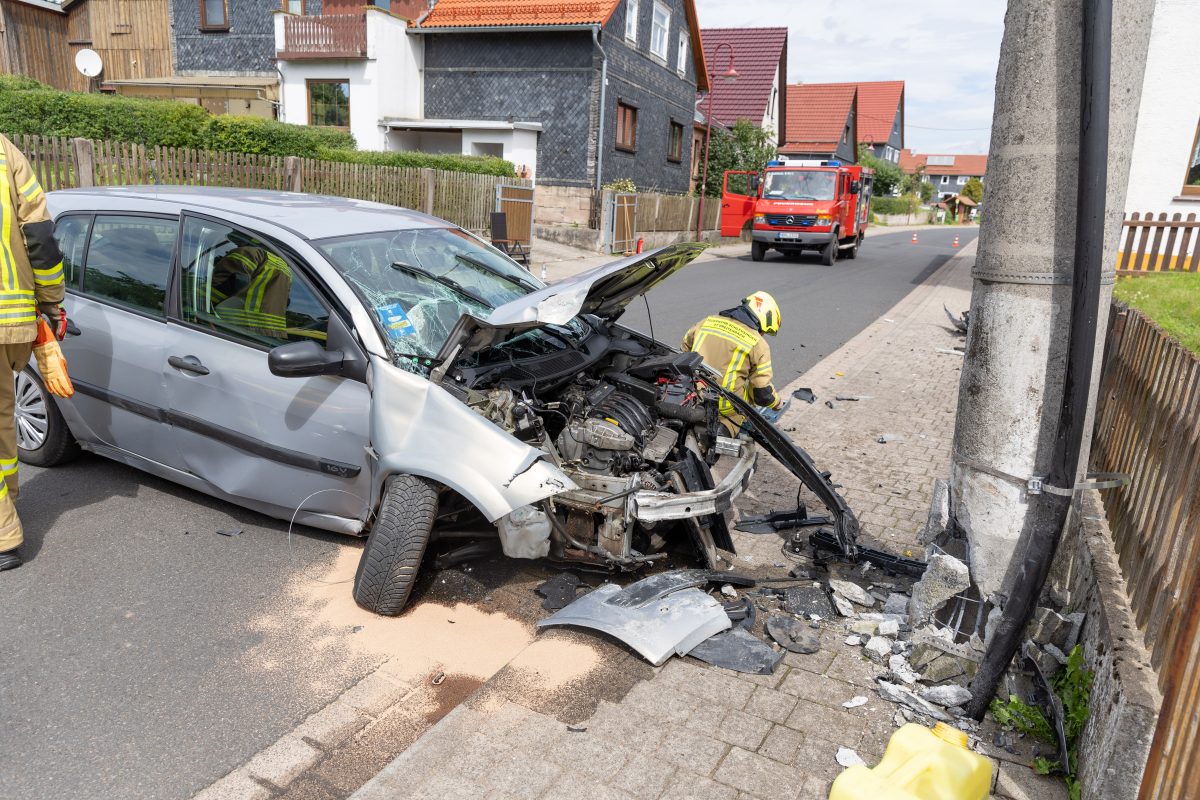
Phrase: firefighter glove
x=52 y=366
x=57 y=315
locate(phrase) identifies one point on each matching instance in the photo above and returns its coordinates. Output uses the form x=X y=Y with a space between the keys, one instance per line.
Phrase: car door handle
x=188 y=364
x=72 y=328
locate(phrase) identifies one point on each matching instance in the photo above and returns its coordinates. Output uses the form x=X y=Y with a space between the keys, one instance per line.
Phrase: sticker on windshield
x=395 y=321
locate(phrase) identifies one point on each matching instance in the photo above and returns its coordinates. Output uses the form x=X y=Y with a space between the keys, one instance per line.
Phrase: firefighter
x=250 y=288
x=732 y=343
x=31 y=282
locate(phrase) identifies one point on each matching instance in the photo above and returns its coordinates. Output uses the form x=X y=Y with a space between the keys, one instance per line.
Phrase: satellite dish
x=88 y=62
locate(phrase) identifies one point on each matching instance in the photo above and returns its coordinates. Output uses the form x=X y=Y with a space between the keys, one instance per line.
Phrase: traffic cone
x=914 y=239
x=955 y=242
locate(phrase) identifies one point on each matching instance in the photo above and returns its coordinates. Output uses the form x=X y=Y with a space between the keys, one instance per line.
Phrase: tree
x=887 y=175
x=745 y=146
x=974 y=190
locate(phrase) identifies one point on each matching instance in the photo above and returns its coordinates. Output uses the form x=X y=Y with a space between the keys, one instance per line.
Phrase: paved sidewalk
x=544 y=727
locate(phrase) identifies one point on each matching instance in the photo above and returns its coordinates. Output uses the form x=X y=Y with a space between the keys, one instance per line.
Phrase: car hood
x=604 y=291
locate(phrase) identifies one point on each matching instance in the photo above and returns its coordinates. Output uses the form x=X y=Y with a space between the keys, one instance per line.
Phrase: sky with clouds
x=946 y=51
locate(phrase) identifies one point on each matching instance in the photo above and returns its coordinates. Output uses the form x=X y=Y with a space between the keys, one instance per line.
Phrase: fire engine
x=796 y=205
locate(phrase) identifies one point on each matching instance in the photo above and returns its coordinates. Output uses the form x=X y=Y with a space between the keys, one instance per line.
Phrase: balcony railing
x=324 y=36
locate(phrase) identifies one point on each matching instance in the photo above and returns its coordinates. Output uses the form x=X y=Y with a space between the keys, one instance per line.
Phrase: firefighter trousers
x=15 y=357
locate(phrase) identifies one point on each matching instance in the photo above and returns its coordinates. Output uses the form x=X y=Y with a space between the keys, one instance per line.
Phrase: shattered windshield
x=420 y=281
x=800 y=185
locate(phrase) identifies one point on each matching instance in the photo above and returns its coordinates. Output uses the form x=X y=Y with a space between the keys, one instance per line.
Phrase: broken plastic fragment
x=855 y=702
x=848 y=758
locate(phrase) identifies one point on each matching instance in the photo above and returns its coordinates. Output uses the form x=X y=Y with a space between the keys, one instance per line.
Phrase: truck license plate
x=789 y=236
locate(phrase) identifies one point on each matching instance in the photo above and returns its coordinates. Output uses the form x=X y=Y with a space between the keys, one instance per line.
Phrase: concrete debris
x=729 y=591
x=866 y=627
x=848 y=758
x=944 y=667
x=898 y=719
x=888 y=437
x=945 y=576
x=900 y=668
x=889 y=627
x=908 y=714
x=1049 y=627
x=843 y=606
x=852 y=592
x=896 y=603
x=855 y=702
x=947 y=696
x=899 y=647
x=939 y=513
x=787 y=631
x=805 y=600
x=1058 y=655
x=898 y=694
x=876 y=617
x=854 y=640
x=878 y=649
x=993 y=621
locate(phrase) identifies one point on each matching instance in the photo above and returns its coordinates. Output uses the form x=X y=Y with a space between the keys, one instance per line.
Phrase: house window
x=626 y=127
x=846 y=135
x=213 y=15
x=681 y=61
x=329 y=103
x=675 y=143
x=1191 y=181
x=294 y=6
x=631 y=20
x=945 y=180
x=962 y=180
x=660 y=30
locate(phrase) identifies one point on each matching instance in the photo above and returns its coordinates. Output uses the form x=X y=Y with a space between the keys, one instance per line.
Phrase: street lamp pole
x=730 y=75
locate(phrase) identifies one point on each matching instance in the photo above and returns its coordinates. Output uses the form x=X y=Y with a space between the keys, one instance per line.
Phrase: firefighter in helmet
x=250 y=288
x=732 y=343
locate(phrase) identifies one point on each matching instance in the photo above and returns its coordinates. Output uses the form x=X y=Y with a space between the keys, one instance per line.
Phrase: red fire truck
x=799 y=205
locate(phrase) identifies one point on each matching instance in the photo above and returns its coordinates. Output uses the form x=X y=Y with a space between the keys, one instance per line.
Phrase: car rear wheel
x=758 y=251
x=43 y=438
x=829 y=253
x=388 y=568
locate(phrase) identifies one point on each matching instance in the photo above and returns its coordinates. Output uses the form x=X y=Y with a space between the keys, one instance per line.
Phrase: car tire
x=852 y=252
x=829 y=253
x=43 y=438
x=392 y=557
x=758 y=251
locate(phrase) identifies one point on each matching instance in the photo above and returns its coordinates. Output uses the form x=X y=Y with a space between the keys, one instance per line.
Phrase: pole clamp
x=1035 y=485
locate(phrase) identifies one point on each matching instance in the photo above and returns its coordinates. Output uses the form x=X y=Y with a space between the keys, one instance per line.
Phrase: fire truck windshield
x=800 y=185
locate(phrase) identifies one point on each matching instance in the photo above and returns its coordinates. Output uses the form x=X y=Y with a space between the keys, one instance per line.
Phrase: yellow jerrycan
x=920 y=764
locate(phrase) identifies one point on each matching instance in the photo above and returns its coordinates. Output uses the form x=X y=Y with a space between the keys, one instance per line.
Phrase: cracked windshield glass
x=799 y=185
x=419 y=282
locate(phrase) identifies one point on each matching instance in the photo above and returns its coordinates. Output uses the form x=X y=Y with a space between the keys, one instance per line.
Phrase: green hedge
x=894 y=205
x=27 y=106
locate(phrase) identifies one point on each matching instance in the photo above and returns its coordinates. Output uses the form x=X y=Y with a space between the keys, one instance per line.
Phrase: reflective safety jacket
x=739 y=354
x=31 y=269
x=250 y=289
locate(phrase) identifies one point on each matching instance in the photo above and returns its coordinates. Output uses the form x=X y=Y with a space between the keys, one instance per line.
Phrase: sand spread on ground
x=552 y=663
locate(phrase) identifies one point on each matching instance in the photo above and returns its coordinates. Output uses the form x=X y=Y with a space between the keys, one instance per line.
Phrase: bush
x=479 y=165
x=19 y=83
x=239 y=134
x=907 y=204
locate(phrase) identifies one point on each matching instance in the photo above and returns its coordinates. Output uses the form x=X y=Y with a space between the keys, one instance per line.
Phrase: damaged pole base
x=827 y=547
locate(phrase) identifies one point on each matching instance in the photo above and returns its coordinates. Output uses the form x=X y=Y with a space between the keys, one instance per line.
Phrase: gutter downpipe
x=603 y=103
x=1051 y=510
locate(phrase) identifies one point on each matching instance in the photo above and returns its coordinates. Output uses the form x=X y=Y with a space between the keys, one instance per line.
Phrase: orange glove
x=51 y=363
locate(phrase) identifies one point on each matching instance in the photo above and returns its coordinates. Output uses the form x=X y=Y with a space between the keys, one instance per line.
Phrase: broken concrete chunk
x=939 y=513
x=945 y=576
x=855 y=702
x=898 y=719
x=729 y=591
x=898 y=694
x=854 y=640
x=947 y=696
x=852 y=592
x=943 y=668
x=900 y=668
x=805 y=600
x=889 y=628
x=1057 y=654
x=864 y=626
x=843 y=605
x=896 y=603
x=878 y=649
x=848 y=758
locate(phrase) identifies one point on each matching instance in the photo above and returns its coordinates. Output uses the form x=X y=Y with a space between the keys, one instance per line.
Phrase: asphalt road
x=144 y=656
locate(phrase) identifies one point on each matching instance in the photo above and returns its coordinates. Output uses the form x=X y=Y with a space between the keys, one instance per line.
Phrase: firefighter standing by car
x=31 y=284
x=732 y=343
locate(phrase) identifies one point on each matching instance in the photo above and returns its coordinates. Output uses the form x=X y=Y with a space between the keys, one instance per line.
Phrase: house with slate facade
x=822 y=122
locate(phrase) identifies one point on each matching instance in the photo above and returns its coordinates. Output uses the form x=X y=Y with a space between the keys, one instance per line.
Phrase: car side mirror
x=304 y=360
x=855 y=187
x=754 y=184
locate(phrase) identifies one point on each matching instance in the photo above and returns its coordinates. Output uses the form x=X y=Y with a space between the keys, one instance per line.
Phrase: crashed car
x=366 y=369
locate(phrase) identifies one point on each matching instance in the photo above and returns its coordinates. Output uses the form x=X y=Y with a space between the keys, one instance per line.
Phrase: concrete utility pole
x=1013 y=371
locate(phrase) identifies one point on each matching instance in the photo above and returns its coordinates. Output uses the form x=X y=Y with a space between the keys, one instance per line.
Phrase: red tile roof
x=816 y=116
x=757 y=53
x=963 y=164
x=877 y=105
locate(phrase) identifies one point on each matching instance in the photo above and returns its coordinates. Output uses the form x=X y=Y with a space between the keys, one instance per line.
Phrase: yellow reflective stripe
x=3 y=490
x=31 y=189
x=9 y=265
x=763 y=368
x=257 y=290
x=8 y=466
x=48 y=277
x=729 y=380
x=253 y=319
x=15 y=316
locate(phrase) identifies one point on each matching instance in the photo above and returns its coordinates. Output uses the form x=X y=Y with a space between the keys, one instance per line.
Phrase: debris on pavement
x=791 y=635
x=945 y=576
x=231 y=532
x=577 y=729
x=438 y=679
x=961 y=322
x=559 y=591
x=848 y=758
x=878 y=649
x=888 y=437
x=805 y=395
x=899 y=694
x=855 y=702
x=901 y=670
x=852 y=398
x=854 y=641
x=948 y=351
x=852 y=592
x=739 y=650
x=947 y=696
x=805 y=600
x=729 y=591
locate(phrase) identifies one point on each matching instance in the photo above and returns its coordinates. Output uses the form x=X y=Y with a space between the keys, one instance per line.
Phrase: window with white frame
x=1191 y=179
x=631 y=20
x=945 y=180
x=681 y=60
x=962 y=180
x=660 y=30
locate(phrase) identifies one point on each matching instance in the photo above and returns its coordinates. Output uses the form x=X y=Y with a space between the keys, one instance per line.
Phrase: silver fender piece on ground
x=421 y=429
x=658 y=627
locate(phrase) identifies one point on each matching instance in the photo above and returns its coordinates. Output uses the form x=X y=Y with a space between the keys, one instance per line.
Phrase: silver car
x=375 y=371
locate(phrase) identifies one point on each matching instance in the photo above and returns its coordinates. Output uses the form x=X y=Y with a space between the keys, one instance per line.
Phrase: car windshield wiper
x=482 y=266
x=449 y=283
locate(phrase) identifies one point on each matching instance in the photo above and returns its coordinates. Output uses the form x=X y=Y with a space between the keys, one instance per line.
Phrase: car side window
x=235 y=284
x=71 y=233
x=129 y=259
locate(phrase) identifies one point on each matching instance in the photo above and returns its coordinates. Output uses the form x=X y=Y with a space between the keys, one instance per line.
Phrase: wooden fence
x=1148 y=426
x=463 y=198
x=670 y=212
x=1159 y=244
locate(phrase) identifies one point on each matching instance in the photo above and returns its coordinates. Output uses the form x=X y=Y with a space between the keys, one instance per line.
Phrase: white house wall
x=1166 y=127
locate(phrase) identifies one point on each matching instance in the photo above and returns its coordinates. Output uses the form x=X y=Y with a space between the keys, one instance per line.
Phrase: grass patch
x=1172 y=300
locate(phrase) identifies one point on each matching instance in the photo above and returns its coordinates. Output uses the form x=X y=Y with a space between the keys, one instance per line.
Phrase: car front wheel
x=758 y=251
x=392 y=557
x=829 y=253
x=43 y=439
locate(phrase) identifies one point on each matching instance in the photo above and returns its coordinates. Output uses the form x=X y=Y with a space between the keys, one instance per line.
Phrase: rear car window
x=128 y=261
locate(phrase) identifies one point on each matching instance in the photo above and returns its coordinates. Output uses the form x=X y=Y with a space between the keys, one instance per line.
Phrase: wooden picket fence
x=1159 y=244
x=1148 y=426
x=671 y=212
x=463 y=198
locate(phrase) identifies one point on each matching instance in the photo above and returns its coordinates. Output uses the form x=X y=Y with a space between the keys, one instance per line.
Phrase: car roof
x=309 y=216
